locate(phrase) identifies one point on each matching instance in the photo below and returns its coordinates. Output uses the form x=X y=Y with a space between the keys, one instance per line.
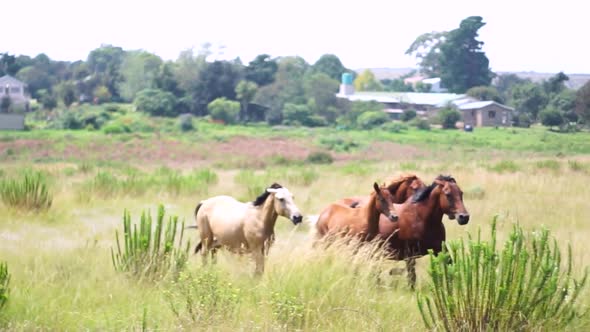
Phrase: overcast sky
x=520 y=35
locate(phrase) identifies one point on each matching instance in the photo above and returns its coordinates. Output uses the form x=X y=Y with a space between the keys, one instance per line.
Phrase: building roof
x=482 y=104
x=417 y=98
x=9 y=80
x=432 y=80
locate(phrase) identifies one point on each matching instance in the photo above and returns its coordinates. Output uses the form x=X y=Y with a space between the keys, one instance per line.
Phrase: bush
x=185 y=121
x=520 y=288
x=449 y=117
x=319 y=157
x=372 y=119
x=115 y=128
x=408 y=115
x=394 y=127
x=551 y=117
x=148 y=251
x=508 y=166
x=224 y=110
x=302 y=115
x=4 y=280
x=156 y=102
x=522 y=120
x=30 y=192
x=421 y=124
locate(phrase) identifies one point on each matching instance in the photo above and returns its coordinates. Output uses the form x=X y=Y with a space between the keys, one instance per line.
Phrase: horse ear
x=376 y=187
x=271 y=190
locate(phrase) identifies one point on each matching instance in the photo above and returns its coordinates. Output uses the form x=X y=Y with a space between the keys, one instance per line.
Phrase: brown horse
x=360 y=221
x=419 y=227
x=401 y=188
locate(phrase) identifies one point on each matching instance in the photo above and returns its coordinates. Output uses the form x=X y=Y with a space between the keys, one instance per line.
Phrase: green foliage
x=548 y=164
x=339 y=144
x=287 y=309
x=47 y=99
x=372 y=119
x=185 y=122
x=301 y=115
x=150 y=250
x=529 y=98
x=4 y=280
x=551 y=117
x=421 y=124
x=156 y=102
x=523 y=120
x=408 y=115
x=319 y=157
x=485 y=93
x=475 y=193
x=394 y=127
x=204 y=298
x=28 y=193
x=583 y=102
x=102 y=94
x=463 y=64
x=115 y=128
x=366 y=81
x=449 y=117
x=224 y=110
x=475 y=287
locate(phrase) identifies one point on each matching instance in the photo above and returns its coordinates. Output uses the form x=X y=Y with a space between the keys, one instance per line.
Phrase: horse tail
x=197 y=208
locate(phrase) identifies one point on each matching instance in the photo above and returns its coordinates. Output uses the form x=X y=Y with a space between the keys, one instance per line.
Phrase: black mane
x=421 y=194
x=260 y=199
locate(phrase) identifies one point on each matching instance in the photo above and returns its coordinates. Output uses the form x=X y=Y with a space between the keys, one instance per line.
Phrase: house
x=486 y=113
x=13 y=98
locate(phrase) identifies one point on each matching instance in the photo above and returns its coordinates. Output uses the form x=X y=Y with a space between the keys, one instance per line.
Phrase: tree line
x=286 y=89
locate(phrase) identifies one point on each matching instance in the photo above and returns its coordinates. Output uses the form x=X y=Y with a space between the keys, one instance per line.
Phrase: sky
x=520 y=35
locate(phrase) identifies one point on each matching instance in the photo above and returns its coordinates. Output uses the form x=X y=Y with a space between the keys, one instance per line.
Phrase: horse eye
x=281 y=199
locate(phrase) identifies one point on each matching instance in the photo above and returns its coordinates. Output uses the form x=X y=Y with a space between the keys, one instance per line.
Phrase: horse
x=224 y=221
x=419 y=227
x=360 y=221
x=401 y=188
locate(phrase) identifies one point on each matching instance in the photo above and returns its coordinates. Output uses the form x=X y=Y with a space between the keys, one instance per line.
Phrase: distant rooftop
x=418 y=98
x=480 y=104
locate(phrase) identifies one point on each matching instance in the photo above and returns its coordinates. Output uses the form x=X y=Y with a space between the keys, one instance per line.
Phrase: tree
x=261 y=70
x=449 y=117
x=366 y=82
x=156 y=102
x=101 y=94
x=301 y=115
x=396 y=85
x=105 y=62
x=67 y=92
x=551 y=117
x=47 y=99
x=372 y=119
x=36 y=79
x=320 y=90
x=583 y=102
x=426 y=48
x=217 y=79
x=485 y=93
x=408 y=115
x=224 y=110
x=463 y=64
x=139 y=71
x=505 y=83
x=529 y=98
x=330 y=65
x=555 y=84
x=245 y=92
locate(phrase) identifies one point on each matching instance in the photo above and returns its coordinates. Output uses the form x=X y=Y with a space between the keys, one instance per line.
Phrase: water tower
x=346 y=87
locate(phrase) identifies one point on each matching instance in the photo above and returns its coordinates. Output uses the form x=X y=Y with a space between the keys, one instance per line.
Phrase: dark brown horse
x=360 y=221
x=419 y=227
x=400 y=188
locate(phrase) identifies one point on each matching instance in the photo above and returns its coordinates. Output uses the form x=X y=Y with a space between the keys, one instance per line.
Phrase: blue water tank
x=347 y=78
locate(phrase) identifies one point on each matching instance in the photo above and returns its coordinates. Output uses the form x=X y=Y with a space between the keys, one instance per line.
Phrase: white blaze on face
x=286 y=200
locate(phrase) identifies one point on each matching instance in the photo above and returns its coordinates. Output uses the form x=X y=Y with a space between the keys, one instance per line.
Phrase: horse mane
x=395 y=183
x=260 y=199
x=422 y=193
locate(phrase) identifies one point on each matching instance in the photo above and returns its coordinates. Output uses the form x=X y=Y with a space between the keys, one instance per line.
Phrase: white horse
x=224 y=221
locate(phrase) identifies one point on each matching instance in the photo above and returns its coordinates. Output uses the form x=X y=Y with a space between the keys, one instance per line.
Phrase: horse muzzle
x=297 y=219
x=463 y=218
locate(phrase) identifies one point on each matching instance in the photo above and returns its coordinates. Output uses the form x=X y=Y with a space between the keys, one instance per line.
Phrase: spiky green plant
x=4 y=279
x=475 y=287
x=28 y=193
x=152 y=250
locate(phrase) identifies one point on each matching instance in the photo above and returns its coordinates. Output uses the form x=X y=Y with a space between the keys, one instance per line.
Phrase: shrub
x=151 y=252
x=302 y=115
x=394 y=127
x=505 y=166
x=224 y=110
x=520 y=288
x=548 y=164
x=449 y=117
x=30 y=192
x=4 y=280
x=319 y=157
x=551 y=117
x=287 y=309
x=115 y=128
x=421 y=124
x=522 y=120
x=372 y=119
x=156 y=102
x=408 y=115
x=185 y=121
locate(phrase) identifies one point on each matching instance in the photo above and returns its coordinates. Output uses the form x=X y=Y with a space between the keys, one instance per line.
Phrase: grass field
x=62 y=276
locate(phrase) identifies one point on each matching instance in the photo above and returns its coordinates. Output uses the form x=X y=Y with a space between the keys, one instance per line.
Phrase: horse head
x=384 y=202
x=404 y=187
x=451 y=202
x=284 y=204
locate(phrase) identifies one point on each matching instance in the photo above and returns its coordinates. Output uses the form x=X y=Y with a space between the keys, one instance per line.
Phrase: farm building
x=486 y=113
x=475 y=113
x=14 y=100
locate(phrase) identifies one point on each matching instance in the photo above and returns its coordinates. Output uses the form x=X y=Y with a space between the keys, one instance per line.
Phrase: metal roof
x=482 y=104
x=418 y=98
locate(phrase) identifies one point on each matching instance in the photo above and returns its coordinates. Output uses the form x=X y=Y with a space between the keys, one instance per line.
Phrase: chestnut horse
x=357 y=221
x=225 y=222
x=419 y=227
x=401 y=188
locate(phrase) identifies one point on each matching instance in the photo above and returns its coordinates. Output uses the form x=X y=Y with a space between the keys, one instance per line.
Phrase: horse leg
x=411 y=269
x=259 y=259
